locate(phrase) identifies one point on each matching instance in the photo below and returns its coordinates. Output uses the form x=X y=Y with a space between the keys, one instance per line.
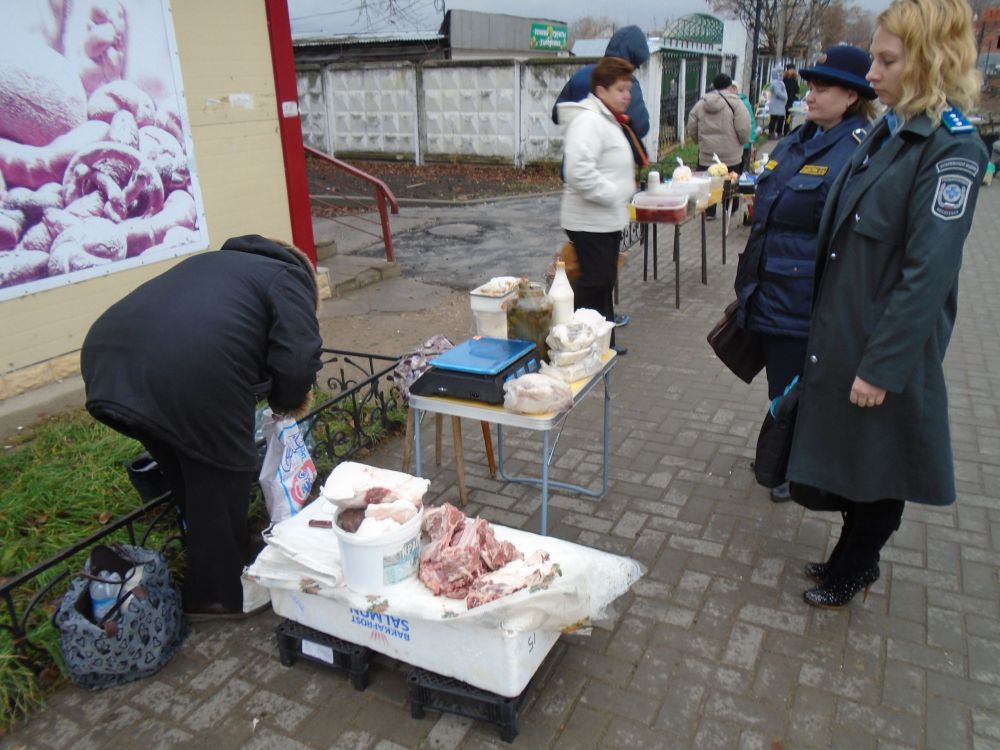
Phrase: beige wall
x=224 y=50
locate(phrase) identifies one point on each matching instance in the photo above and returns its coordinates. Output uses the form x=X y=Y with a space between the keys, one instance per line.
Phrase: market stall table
x=692 y=214
x=543 y=423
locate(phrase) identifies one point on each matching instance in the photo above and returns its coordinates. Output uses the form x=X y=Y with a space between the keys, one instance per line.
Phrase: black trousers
x=214 y=503
x=784 y=357
x=776 y=123
x=597 y=253
x=867 y=527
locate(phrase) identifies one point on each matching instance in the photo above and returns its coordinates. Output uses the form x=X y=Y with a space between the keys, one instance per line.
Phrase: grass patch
x=64 y=479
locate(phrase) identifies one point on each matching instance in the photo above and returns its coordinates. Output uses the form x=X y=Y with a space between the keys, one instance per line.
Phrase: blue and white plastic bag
x=288 y=471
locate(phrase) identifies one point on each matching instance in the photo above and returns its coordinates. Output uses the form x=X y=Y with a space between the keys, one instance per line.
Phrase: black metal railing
x=363 y=406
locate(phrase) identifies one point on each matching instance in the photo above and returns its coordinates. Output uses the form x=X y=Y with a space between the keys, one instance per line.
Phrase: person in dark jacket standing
x=791 y=81
x=180 y=363
x=628 y=43
x=872 y=427
x=774 y=276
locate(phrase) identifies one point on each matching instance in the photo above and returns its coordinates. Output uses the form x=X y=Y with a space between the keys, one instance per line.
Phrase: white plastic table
x=544 y=423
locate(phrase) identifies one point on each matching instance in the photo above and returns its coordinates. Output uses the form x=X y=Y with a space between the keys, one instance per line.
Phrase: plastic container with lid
x=715 y=184
x=664 y=207
x=529 y=316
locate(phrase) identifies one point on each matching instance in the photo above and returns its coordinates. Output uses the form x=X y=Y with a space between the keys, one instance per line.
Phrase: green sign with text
x=549 y=36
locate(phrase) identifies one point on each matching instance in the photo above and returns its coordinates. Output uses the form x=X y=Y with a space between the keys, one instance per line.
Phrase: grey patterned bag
x=137 y=636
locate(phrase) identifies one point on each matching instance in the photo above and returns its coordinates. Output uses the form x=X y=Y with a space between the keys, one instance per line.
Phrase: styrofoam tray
x=501 y=661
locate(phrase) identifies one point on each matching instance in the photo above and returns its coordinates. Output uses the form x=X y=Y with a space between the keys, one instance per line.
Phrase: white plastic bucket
x=372 y=565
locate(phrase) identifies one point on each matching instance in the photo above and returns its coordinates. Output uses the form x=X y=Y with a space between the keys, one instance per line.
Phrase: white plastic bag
x=563 y=359
x=536 y=394
x=288 y=473
x=570 y=337
x=576 y=371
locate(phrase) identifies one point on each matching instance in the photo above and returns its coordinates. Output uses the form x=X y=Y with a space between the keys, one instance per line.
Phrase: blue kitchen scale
x=477 y=369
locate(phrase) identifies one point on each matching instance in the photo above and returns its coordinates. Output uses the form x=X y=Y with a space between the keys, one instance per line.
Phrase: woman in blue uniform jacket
x=872 y=426
x=774 y=278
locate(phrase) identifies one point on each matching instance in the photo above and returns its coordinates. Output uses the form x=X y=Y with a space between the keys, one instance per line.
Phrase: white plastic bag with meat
x=535 y=393
x=288 y=472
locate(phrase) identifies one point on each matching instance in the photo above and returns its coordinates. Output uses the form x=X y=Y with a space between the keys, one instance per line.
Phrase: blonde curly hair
x=940 y=49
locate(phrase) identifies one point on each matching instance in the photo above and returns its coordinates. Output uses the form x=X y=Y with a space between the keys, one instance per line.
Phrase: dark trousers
x=783 y=360
x=214 y=503
x=867 y=527
x=597 y=253
x=775 y=123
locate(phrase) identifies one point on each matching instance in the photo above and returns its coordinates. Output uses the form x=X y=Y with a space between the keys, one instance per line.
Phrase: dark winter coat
x=184 y=356
x=792 y=89
x=890 y=245
x=628 y=43
x=774 y=278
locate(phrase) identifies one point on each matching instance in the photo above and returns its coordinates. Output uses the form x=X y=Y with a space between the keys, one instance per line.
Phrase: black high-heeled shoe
x=817 y=571
x=835 y=593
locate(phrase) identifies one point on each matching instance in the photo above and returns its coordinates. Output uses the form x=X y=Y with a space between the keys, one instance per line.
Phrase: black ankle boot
x=817 y=571
x=836 y=592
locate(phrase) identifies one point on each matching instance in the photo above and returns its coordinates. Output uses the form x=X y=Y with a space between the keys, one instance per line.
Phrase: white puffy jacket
x=597 y=166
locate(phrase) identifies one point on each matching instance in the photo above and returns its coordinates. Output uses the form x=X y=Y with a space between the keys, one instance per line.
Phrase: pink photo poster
x=97 y=170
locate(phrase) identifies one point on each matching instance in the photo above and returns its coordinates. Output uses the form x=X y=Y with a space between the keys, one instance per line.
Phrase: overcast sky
x=341 y=16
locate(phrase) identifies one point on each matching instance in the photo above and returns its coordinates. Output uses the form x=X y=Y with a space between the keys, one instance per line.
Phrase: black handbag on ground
x=738 y=348
x=140 y=632
x=774 y=443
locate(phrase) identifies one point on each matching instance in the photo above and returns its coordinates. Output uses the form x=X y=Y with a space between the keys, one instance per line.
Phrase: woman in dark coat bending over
x=872 y=427
x=180 y=363
x=774 y=278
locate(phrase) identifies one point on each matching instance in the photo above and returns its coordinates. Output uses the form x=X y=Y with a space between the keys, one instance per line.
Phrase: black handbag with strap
x=738 y=348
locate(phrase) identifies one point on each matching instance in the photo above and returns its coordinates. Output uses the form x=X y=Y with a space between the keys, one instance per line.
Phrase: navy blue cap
x=843 y=65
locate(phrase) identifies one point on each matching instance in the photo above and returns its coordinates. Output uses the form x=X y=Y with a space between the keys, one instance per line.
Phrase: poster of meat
x=96 y=160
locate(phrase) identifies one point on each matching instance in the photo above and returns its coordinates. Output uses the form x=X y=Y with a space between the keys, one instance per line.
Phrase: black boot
x=854 y=566
x=819 y=571
x=836 y=592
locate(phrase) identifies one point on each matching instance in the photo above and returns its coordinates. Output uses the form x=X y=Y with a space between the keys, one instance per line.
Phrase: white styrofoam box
x=489 y=658
x=486 y=303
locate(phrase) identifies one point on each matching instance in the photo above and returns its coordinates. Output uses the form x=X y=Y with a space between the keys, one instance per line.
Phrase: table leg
x=488 y=443
x=677 y=266
x=704 y=253
x=545 y=481
x=725 y=227
x=607 y=429
x=416 y=441
x=645 y=252
x=408 y=443
x=456 y=430
x=654 y=253
x=437 y=439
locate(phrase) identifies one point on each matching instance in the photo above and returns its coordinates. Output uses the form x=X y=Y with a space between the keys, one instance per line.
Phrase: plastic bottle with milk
x=561 y=295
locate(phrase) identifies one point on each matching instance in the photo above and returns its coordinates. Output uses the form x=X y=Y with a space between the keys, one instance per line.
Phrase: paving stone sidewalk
x=713 y=647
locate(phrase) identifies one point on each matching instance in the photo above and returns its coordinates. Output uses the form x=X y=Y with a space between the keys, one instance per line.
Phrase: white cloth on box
x=590 y=580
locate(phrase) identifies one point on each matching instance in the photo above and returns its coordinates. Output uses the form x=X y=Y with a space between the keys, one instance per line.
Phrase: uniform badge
x=771 y=164
x=951 y=196
x=817 y=170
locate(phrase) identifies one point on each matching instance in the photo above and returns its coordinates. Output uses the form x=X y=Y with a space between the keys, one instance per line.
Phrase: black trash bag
x=147 y=477
x=774 y=443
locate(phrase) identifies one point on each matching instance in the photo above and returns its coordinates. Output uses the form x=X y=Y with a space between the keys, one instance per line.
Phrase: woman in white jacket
x=600 y=180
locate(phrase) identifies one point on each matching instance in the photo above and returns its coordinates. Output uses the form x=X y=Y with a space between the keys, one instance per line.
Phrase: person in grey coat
x=776 y=103
x=872 y=426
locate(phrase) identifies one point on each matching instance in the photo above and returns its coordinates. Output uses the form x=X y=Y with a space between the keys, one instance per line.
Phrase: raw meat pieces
x=463 y=550
x=514 y=576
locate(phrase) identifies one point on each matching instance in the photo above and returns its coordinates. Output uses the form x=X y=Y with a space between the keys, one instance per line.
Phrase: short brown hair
x=862 y=107
x=609 y=71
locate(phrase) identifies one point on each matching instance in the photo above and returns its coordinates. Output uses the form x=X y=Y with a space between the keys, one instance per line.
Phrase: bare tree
x=591 y=27
x=800 y=21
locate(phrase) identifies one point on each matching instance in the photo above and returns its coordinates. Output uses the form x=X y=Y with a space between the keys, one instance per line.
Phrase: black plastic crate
x=440 y=693
x=348 y=657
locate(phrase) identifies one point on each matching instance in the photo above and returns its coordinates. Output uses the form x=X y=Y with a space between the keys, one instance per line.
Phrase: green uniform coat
x=889 y=252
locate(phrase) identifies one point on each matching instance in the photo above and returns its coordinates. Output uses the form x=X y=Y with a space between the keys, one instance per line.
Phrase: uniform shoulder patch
x=771 y=164
x=858 y=134
x=956 y=122
x=951 y=196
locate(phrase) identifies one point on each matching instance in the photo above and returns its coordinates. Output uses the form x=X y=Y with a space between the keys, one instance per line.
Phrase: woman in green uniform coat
x=872 y=427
